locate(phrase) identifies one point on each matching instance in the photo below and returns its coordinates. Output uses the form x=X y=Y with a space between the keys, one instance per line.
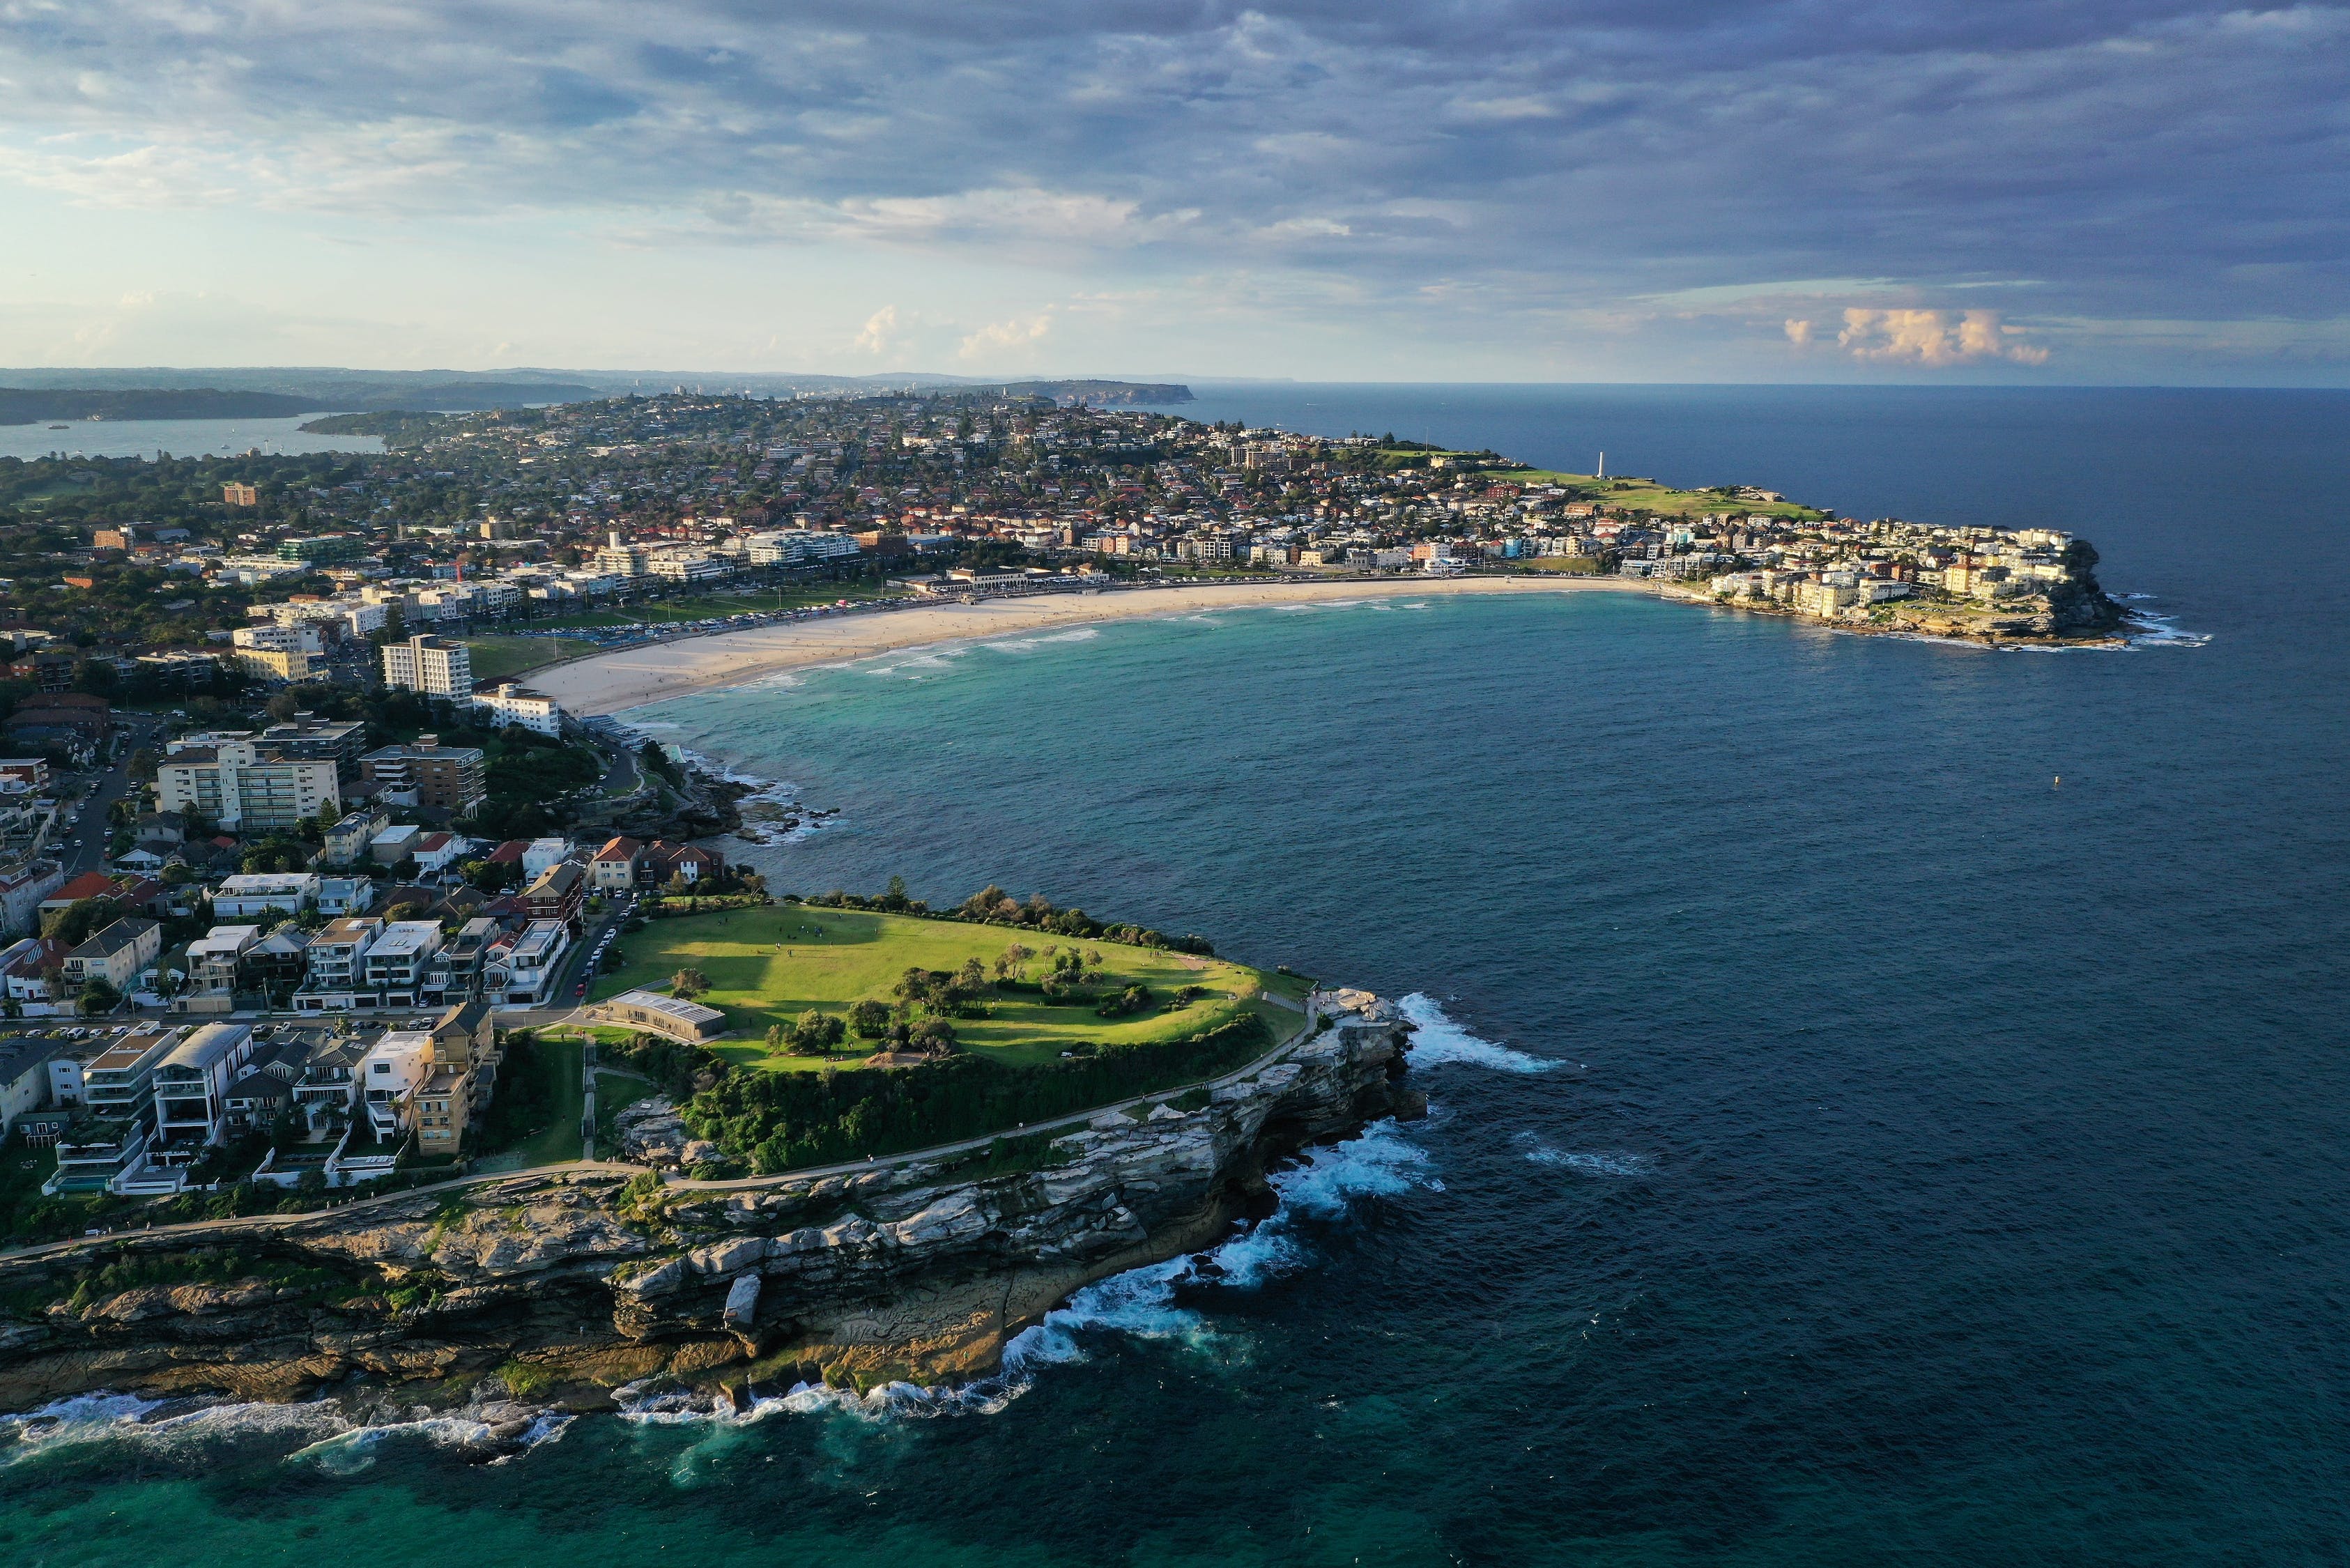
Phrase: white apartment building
x=238 y=785
x=388 y=1078
x=279 y=652
x=512 y=704
x=432 y=665
x=689 y=567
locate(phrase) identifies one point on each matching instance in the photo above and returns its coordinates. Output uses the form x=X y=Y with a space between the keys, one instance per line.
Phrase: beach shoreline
x=612 y=683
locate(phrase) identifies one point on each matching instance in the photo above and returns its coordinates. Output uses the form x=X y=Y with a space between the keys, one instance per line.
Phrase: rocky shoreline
x=550 y=1292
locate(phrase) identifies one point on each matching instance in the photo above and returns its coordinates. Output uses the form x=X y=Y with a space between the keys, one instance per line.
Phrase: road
x=82 y=848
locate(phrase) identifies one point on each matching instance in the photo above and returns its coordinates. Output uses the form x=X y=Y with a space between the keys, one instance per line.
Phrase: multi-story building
x=239 y=785
x=393 y=967
x=512 y=704
x=214 y=960
x=434 y=665
x=254 y=893
x=559 y=894
x=389 y=1076
x=429 y=775
x=279 y=652
x=615 y=867
x=346 y=841
x=192 y=1083
x=524 y=971
x=336 y=976
x=116 y=955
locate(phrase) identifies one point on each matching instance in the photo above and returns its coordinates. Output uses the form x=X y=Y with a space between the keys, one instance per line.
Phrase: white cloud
x=997 y=339
x=1931 y=338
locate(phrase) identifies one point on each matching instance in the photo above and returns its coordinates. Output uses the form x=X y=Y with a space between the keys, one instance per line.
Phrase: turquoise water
x=1850 y=1143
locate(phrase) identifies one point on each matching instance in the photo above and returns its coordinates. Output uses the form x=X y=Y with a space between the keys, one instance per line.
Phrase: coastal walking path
x=252 y=1223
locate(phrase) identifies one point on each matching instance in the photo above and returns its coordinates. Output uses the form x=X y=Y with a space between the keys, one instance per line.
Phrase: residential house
x=215 y=961
x=388 y=1078
x=275 y=966
x=27 y=969
x=395 y=844
x=664 y=862
x=394 y=964
x=541 y=853
x=435 y=851
x=522 y=972
x=335 y=977
x=191 y=1084
x=339 y=896
x=263 y=1096
x=89 y=885
x=22 y=890
x=263 y=893
x=23 y=1076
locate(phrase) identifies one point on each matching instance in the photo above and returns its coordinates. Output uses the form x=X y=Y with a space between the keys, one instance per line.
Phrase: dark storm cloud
x=2151 y=162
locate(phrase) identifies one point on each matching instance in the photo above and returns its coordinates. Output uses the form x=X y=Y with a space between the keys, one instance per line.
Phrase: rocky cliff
x=572 y=1283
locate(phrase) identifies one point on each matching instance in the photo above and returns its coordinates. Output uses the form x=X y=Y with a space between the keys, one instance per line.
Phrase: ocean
x=1850 y=1143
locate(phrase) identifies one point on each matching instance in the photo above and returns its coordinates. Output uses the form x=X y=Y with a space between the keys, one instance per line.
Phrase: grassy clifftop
x=767 y=966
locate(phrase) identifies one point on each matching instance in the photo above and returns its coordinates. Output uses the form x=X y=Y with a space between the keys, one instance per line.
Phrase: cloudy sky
x=1681 y=190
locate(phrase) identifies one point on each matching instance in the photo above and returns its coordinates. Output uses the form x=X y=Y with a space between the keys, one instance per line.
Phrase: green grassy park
x=767 y=966
x=1647 y=494
x=505 y=658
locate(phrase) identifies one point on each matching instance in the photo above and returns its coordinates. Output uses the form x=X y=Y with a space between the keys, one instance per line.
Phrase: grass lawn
x=1661 y=499
x=767 y=966
x=504 y=657
x=706 y=608
x=559 y=1139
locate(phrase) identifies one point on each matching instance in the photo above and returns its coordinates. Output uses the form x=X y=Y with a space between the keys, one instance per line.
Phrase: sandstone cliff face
x=575 y=1283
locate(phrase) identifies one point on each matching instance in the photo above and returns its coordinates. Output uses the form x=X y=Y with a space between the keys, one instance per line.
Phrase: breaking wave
x=1440 y=1041
x=2151 y=630
x=1030 y=644
x=1141 y=1303
x=328 y=1434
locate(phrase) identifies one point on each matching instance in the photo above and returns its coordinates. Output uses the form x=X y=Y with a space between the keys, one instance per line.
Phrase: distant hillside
x=241 y=394
x=31 y=406
x=1104 y=394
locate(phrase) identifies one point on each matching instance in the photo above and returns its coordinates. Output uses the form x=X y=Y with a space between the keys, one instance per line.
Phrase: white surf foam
x=1439 y=1042
x=1141 y=1303
x=2151 y=630
x=1030 y=644
x=1587 y=1162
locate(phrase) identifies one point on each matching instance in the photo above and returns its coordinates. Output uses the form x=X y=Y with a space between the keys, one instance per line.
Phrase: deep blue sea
x=1850 y=1144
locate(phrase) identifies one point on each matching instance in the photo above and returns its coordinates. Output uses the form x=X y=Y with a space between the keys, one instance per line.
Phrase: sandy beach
x=609 y=682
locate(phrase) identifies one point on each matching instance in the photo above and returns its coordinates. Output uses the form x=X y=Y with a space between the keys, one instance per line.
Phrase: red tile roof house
x=620 y=865
x=665 y=860
x=89 y=885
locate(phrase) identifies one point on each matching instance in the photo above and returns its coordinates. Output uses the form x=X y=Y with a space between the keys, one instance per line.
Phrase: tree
x=895 y=898
x=282 y=707
x=97 y=997
x=816 y=1033
x=971 y=977
x=870 y=1018
x=1013 y=958
x=688 y=983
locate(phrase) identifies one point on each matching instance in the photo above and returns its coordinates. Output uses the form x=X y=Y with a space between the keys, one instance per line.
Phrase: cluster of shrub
x=993 y=907
x=769 y=1122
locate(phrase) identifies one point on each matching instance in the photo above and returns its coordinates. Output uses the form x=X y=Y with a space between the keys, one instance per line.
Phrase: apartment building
x=522 y=970
x=255 y=893
x=116 y=955
x=276 y=652
x=428 y=775
x=433 y=665
x=346 y=842
x=214 y=960
x=336 y=973
x=242 y=785
x=511 y=704
x=393 y=967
